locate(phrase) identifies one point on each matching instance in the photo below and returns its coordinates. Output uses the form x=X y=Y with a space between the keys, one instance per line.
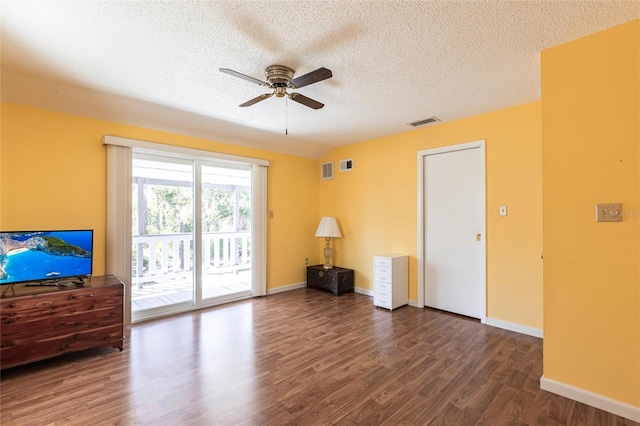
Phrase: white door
x=454 y=246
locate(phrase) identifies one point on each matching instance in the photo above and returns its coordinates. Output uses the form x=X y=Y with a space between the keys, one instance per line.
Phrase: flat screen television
x=40 y=256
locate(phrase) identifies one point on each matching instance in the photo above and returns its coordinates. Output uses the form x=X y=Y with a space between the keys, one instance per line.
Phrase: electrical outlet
x=270 y=214
x=306 y=261
x=610 y=212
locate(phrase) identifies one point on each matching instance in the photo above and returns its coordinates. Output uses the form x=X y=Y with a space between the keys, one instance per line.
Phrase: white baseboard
x=360 y=290
x=286 y=288
x=512 y=326
x=365 y=291
x=414 y=303
x=618 y=408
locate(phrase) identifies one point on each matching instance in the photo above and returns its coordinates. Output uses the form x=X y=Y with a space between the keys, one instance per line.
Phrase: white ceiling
x=155 y=63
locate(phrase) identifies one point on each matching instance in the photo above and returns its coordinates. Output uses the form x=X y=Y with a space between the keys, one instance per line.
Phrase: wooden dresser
x=43 y=322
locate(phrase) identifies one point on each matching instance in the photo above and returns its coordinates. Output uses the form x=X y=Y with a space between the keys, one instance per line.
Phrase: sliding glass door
x=191 y=234
x=162 y=261
x=226 y=231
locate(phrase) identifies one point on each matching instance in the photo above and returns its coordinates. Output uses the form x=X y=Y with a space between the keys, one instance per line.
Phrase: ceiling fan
x=280 y=78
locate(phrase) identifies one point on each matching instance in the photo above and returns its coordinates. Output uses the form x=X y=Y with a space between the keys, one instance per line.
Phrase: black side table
x=337 y=280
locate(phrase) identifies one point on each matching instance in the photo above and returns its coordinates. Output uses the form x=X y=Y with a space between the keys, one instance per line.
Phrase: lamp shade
x=328 y=228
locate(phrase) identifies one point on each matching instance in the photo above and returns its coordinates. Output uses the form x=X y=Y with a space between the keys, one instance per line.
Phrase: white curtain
x=259 y=229
x=119 y=219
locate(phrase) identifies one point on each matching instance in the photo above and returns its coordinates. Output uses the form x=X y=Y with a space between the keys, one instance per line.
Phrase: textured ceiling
x=155 y=63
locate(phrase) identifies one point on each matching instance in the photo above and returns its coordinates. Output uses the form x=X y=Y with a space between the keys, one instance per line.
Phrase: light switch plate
x=503 y=210
x=609 y=212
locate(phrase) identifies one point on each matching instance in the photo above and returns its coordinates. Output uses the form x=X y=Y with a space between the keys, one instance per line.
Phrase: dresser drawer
x=382 y=292
x=381 y=261
x=60 y=304
x=382 y=302
x=382 y=286
x=382 y=273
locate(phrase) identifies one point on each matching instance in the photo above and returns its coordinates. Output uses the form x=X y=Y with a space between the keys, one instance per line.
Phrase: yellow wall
x=53 y=175
x=552 y=159
x=1 y=171
x=591 y=139
x=376 y=205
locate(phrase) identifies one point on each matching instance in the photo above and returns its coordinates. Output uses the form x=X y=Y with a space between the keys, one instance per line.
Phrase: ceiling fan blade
x=302 y=99
x=244 y=77
x=312 y=77
x=256 y=100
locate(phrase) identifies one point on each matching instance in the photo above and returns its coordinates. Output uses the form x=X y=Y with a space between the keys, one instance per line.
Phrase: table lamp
x=328 y=229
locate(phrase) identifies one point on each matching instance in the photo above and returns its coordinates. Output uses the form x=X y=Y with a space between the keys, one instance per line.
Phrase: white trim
x=421 y=216
x=421 y=242
x=163 y=312
x=286 y=288
x=415 y=304
x=258 y=215
x=198 y=266
x=452 y=148
x=358 y=290
x=601 y=402
x=155 y=148
x=364 y=291
x=512 y=326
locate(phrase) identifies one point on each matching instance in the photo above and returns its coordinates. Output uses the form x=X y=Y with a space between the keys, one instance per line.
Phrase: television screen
x=45 y=255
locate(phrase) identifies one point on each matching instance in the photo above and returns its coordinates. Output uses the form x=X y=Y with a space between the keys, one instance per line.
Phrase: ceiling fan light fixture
x=280 y=91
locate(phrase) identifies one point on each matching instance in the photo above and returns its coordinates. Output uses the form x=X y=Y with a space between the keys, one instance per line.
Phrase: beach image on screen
x=38 y=256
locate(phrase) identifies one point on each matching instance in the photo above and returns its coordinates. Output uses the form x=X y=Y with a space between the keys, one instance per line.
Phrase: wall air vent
x=327 y=170
x=425 y=121
x=346 y=165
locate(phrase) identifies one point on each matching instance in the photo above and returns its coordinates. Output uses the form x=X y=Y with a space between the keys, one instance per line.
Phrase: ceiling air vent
x=425 y=121
x=327 y=170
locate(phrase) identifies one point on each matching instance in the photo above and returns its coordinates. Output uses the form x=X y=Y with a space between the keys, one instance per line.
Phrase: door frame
x=118 y=232
x=422 y=232
x=198 y=301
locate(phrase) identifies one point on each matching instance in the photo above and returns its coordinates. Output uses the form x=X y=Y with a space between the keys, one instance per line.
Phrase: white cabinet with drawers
x=390 y=281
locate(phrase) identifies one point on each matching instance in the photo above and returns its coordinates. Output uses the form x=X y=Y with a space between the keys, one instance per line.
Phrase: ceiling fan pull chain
x=286 y=115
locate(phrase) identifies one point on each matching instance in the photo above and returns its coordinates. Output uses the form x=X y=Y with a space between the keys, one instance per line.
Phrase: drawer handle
x=44 y=304
x=320 y=274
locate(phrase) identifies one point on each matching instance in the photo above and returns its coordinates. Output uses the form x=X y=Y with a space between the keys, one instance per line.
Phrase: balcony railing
x=170 y=256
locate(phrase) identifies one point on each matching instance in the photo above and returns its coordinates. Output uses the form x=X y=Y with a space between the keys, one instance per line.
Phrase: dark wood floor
x=301 y=357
